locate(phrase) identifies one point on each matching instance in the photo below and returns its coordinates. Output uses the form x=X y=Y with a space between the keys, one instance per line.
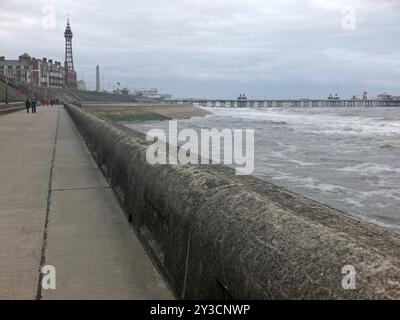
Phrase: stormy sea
x=348 y=158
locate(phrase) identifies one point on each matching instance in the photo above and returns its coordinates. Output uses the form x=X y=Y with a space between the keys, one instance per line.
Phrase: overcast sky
x=217 y=48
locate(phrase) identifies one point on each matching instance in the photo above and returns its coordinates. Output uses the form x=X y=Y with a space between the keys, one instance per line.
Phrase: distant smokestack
x=97 y=78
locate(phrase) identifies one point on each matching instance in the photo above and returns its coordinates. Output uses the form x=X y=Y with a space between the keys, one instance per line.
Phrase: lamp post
x=6 y=91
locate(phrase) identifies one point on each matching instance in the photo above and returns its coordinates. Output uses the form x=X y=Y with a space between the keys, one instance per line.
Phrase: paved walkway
x=57 y=209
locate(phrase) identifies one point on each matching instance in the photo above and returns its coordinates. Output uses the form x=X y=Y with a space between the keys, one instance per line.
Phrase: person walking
x=34 y=103
x=27 y=105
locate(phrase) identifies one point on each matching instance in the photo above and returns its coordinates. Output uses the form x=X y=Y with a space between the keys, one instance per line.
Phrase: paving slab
x=26 y=148
x=57 y=209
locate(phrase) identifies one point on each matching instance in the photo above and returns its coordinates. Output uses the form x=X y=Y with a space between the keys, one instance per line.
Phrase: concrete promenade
x=57 y=209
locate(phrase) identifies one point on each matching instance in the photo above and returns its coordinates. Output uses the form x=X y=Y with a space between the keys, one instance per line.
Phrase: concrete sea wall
x=12 y=91
x=218 y=236
x=11 y=107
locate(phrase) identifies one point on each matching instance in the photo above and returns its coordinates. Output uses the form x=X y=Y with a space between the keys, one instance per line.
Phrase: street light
x=6 y=91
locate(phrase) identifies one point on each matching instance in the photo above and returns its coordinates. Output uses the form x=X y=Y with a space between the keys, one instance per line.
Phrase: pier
x=289 y=103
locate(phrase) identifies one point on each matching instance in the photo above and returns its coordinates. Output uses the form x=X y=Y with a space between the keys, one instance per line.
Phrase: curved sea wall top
x=215 y=235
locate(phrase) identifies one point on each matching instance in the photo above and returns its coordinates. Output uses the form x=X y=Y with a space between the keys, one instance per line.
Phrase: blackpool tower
x=70 y=74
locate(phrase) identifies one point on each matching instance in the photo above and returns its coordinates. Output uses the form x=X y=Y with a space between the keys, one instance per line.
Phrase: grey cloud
x=267 y=48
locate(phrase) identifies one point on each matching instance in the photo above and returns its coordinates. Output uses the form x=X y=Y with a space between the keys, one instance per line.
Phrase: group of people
x=51 y=102
x=31 y=104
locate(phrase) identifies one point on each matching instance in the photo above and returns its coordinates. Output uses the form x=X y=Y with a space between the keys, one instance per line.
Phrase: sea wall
x=13 y=95
x=215 y=235
x=11 y=107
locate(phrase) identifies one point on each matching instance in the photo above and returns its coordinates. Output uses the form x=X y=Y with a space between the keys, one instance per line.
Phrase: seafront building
x=151 y=93
x=29 y=70
x=387 y=97
x=42 y=72
x=18 y=70
x=81 y=85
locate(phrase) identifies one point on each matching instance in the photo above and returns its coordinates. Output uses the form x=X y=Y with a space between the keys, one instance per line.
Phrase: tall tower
x=70 y=75
x=98 y=79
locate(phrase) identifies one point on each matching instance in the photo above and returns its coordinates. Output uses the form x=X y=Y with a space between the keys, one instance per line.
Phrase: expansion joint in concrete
x=45 y=233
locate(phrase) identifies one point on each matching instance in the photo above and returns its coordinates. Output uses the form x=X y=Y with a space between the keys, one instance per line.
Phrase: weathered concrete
x=74 y=223
x=219 y=236
x=26 y=147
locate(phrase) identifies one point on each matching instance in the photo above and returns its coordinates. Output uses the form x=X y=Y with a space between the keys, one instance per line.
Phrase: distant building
x=98 y=86
x=121 y=91
x=40 y=72
x=18 y=70
x=166 y=96
x=365 y=95
x=384 y=96
x=56 y=74
x=242 y=99
x=331 y=97
x=388 y=97
x=151 y=94
x=148 y=93
x=81 y=85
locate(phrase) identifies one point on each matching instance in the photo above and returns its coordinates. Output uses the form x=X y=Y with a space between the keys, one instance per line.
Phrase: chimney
x=45 y=60
x=51 y=61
